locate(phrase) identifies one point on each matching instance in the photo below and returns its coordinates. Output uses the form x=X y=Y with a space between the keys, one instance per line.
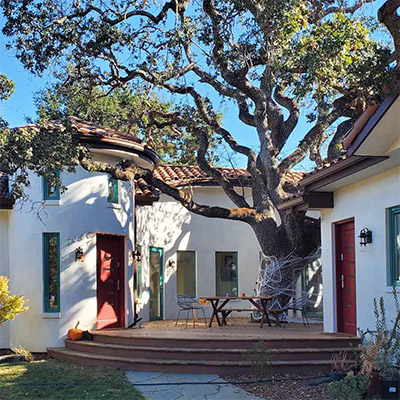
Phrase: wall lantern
x=365 y=237
x=137 y=254
x=79 y=254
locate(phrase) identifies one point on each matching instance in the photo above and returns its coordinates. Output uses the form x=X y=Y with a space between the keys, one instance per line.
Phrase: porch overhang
x=317 y=193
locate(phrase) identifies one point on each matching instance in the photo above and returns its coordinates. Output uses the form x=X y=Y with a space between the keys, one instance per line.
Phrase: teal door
x=156 y=283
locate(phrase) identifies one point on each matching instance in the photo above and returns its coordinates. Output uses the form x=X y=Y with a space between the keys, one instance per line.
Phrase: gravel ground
x=290 y=389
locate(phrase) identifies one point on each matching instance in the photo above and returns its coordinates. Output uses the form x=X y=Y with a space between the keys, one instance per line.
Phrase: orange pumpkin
x=75 y=333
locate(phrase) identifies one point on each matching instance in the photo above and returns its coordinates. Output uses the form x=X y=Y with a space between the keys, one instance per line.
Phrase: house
x=105 y=249
x=71 y=254
x=185 y=253
x=359 y=200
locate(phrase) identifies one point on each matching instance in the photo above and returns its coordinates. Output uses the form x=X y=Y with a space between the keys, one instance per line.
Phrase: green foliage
x=260 y=358
x=6 y=87
x=10 y=305
x=124 y=109
x=352 y=387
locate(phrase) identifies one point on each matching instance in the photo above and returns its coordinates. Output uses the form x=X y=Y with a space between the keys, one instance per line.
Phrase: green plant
x=260 y=358
x=352 y=387
x=20 y=351
x=10 y=305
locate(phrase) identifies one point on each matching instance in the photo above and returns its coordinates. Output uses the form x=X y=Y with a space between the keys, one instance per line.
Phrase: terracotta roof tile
x=144 y=191
x=178 y=175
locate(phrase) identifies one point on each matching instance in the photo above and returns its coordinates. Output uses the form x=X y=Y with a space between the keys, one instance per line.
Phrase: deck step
x=183 y=366
x=152 y=352
x=228 y=343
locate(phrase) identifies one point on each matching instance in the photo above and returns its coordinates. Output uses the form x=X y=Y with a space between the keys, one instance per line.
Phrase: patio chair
x=188 y=304
x=298 y=304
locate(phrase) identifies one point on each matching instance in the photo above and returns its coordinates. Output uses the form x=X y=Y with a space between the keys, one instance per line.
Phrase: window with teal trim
x=51 y=271
x=394 y=243
x=51 y=191
x=226 y=268
x=112 y=196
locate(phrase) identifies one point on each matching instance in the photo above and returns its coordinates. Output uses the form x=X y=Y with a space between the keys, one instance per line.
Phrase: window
x=112 y=196
x=51 y=191
x=186 y=273
x=51 y=270
x=394 y=243
x=139 y=273
x=226 y=273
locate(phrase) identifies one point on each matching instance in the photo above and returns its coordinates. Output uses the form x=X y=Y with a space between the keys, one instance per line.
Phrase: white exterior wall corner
x=4 y=270
x=168 y=225
x=365 y=201
x=82 y=212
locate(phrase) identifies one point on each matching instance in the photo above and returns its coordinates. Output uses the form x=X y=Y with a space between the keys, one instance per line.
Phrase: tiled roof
x=145 y=193
x=177 y=175
x=86 y=128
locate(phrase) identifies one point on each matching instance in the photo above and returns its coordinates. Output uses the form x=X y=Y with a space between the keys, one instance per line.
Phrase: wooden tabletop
x=236 y=298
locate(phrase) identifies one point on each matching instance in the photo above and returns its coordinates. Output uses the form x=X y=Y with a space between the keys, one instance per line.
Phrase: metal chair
x=299 y=304
x=188 y=303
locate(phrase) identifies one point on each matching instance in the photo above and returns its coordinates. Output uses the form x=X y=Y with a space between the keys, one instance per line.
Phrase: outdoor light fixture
x=79 y=254
x=137 y=254
x=365 y=237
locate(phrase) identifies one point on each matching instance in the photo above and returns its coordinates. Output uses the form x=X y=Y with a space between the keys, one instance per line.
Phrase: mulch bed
x=286 y=386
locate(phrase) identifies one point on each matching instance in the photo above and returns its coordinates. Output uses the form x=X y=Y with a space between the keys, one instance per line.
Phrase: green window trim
x=235 y=254
x=47 y=279
x=113 y=190
x=393 y=247
x=48 y=192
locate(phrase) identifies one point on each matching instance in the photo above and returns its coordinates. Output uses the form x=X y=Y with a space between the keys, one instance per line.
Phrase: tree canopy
x=268 y=59
x=130 y=112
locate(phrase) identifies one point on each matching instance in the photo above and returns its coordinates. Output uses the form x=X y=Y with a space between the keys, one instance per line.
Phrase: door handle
x=342 y=281
x=118 y=284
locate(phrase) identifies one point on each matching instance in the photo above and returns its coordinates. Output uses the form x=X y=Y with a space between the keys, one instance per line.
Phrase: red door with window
x=346 y=277
x=110 y=281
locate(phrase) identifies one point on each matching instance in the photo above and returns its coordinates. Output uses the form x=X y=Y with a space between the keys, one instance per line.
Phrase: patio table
x=221 y=308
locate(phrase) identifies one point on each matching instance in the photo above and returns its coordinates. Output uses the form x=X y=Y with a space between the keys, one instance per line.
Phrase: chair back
x=186 y=302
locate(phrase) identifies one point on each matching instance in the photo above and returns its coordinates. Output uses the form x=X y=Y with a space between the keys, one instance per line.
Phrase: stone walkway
x=161 y=387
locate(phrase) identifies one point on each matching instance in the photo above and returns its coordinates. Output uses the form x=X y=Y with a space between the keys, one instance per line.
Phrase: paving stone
x=216 y=390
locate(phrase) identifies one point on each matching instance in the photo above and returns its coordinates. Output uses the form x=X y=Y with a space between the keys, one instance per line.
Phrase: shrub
x=352 y=387
x=10 y=305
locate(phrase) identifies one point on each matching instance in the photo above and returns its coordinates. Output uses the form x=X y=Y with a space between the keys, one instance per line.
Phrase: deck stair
x=205 y=355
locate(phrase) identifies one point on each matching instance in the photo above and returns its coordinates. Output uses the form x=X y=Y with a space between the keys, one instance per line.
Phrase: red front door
x=110 y=281
x=346 y=278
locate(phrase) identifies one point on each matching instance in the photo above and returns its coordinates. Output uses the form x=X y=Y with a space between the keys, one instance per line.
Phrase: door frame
x=161 y=271
x=122 y=274
x=337 y=296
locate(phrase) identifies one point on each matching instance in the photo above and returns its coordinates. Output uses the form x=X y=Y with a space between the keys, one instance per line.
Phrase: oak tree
x=267 y=58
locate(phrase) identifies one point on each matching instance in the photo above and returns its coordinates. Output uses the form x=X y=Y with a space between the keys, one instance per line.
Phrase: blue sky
x=21 y=104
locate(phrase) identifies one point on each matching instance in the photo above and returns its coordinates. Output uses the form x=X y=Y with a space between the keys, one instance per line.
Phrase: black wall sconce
x=79 y=254
x=365 y=237
x=137 y=254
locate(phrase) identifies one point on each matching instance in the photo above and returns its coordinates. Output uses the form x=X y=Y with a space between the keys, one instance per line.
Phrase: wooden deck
x=160 y=346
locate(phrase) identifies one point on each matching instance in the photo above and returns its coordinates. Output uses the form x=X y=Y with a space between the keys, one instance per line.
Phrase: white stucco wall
x=4 y=270
x=365 y=201
x=82 y=211
x=170 y=226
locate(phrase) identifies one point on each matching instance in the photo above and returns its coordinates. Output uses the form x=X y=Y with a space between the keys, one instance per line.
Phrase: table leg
x=224 y=314
x=264 y=306
x=214 y=304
